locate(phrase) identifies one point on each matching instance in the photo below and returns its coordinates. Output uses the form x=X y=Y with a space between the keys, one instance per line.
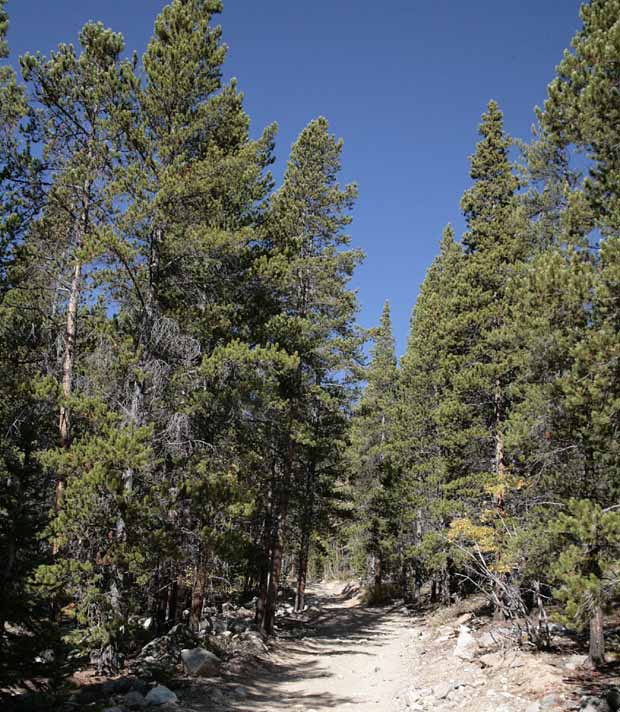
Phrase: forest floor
x=343 y=655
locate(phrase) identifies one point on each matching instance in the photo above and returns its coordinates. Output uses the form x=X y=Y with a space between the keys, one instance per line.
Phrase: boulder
x=45 y=657
x=574 y=662
x=250 y=605
x=122 y=685
x=134 y=700
x=163 y=654
x=249 y=643
x=466 y=645
x=613 y=699
x=491 y=659
x=200 y=662
x=205 y=626
x=239 y=626
x=441 y=691
x=487 y=640
x=160 y=695
x=220 y=625
x=550 y=701
x=595 y=704
x=465 y=618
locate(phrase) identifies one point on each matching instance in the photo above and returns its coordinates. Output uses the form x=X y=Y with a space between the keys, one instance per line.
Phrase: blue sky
x=404 y=82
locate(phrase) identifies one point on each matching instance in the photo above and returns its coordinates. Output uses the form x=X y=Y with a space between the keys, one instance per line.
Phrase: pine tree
x=580 y=114
x=314 y=310
x=71 y=97
x=23 y=501
x=374 y=470
x=431 y=424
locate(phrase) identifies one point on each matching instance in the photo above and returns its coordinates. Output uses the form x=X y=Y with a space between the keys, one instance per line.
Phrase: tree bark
x=302 y=571
x=64 y=422
x=597 y=639
x=198 y=594
x=304 y=548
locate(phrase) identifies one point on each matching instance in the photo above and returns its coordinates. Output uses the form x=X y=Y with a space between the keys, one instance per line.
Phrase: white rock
x=466 y=645
x=199 y=661
x=442 y=690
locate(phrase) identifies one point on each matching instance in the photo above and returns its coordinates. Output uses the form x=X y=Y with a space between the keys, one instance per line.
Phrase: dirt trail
x=351 y=658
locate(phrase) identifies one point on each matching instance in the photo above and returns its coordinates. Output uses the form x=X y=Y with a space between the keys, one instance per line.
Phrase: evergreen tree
x=308 y=273
x=23 y=491
x=372 y=456
x=432 y=424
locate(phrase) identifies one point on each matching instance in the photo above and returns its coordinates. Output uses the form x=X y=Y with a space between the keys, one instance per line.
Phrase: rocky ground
x=340 y=655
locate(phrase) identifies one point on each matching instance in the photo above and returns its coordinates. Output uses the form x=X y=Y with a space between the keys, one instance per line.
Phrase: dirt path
x=351 y=658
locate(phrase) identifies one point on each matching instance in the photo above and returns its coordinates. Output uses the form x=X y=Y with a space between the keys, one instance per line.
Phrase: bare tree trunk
x=64 y=423
x=378 y=571
x=543 y=621
x=500 y=452
x=64 y=420
x=597 y=639
x=198 y=594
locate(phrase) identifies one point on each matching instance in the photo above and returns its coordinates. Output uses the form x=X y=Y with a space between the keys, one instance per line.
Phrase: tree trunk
x=377 y=571
x=304 y=548
x=500 y=453
x=274 y=584
x=597 y=639
x=302 y=571
x=265 y=563
x=198 y=594
x=64 y=422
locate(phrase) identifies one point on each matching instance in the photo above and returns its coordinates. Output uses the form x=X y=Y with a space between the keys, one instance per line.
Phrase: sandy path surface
x=351 y=658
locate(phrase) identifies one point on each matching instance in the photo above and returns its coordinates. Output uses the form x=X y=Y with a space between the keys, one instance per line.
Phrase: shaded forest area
x=186 y=412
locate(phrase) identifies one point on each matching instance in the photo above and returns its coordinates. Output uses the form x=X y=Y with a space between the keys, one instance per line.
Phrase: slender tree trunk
x=417 y=590
x=198 y=594
x=302 y=571
x=64 y=419
x=597 y=639
x=277 y=557
x=64 y=423
x=378 y=571
x=500 y=472
x=500 y=452
x=274 y=583
x=543 y=621
x=304 y=548
x=267 y=552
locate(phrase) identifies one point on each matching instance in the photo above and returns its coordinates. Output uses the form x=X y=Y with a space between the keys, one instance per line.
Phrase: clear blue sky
x=402 y=81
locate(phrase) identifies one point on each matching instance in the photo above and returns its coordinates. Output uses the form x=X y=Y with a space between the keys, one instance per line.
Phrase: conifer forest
x=191 y=415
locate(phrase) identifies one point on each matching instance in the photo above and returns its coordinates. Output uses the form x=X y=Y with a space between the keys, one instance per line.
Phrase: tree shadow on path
x=342 y=629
